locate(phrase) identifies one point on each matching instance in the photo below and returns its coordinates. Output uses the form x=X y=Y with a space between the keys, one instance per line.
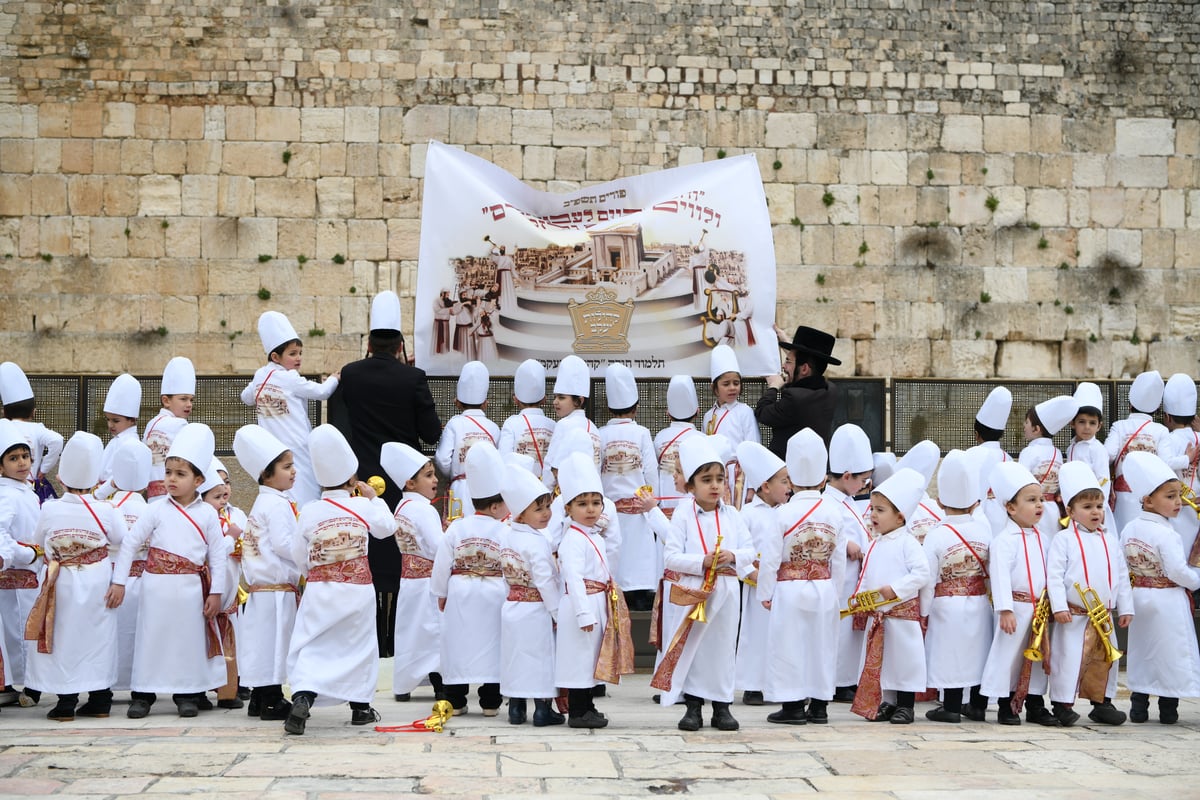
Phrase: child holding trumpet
x=1086 y=577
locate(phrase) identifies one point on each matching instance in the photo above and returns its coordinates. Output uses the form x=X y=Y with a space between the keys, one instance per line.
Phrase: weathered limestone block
x=367 y=239
x=582 y=127
x=1026 y=359
x=1117 y=321
x=1145 y=137
x=963 y=358
x=1047 y=207
x=284 y=197
x=1006 y=134
x=272 y=124
x=254 y=159
x=1145 y=171
x=424 y=122
x=159 y=196
x=331 y=238
x=362 y=124
x=1006 y=284
x=962 y=133
x=183 y=238
x=218 y=240
x=199 y=195
x=335 y=197
x=322 y=124
x=894 y=356
x=256 y=237
x=791 y=130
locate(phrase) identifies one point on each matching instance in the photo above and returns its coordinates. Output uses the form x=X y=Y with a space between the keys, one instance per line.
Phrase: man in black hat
x=800 y=397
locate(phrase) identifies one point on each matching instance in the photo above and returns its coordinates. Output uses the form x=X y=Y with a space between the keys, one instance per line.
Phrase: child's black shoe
x=64 y=710
x=544 y=714
x=187 y=708
x=588 y=719
x=722 y=720
x=902 y=716
x=1139 y=707
x=1168 y=710
x=885 y=712
x=818 y=712
x=138 y=709
x=940 y=714
x=752 y=698
x=1065 y=715
x=1042 y=716
x=791 y=714
x=1106 y=714
x=517 y=709
x=363 y=716
x=298 y=717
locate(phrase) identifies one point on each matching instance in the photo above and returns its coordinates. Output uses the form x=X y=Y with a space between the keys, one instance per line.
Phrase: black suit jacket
x=805 y=403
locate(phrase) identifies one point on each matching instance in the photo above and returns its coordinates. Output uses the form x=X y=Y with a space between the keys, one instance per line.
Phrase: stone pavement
x=223 y=753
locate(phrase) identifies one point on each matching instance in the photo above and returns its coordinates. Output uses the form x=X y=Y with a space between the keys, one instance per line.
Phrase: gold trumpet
x=869 y=600
x=710 y=581
x=377 y=483
x=1041 y=616
x=453 y=507
x=1188 y=495
x=1101 y=620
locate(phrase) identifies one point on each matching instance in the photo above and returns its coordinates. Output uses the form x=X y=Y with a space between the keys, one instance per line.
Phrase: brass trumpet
x=1188 y=495
x=1101 y=620
x=710 y=581
x=377 y=483
x=869 y=600
x=453 y=507
x=1037 y=629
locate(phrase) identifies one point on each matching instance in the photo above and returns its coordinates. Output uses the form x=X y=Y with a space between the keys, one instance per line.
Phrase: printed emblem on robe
x=524 y=444
x=469 y=438
x=338 y=539
x=921 y=527
x=1143 y=560
x=159 y=444
x=406 y=537
x=1048 y=468
x=477 y=554
x=668 y=459
x=621 y=457
x=250 y=540
x=815 y=541
x=516 y=571
x=71 y=543
x=1142 y=443
x=271 y=402
x=960 y=562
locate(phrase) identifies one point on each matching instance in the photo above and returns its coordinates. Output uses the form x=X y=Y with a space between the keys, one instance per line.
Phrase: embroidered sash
x=804 y=571
x=18 y=579
x=972 y=586
x=414 y=566
x=356 y=571
x=870 y=693
x=39 y=627
x=526 y=594
x=164 y=562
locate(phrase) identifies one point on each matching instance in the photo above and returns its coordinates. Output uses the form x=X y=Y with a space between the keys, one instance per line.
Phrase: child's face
x=777 y=488
x=1031 y=432
x=851 y=483
x=885 y=517
x=290 y=357
x=708 y=485
x=1085 y=426
x=537 y=516
x=728 y=387
x=424 y=483
x=283 y=477
x=16 y=463
x=564 y=404
x=179 y=404
x=1026 y=508
x=586 y=509
x=1088 y=512
x=217 y=496
x=181 y=482
x=1164 y=500
x=117 y=423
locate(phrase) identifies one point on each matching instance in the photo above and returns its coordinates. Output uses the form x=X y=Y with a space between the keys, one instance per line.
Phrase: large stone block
x=367 y=239
x=218 y=240
x=423 y=123
x=1006 y=134
x=255 y=159
x=1027 y=359
x=183 y=239
x=968 y=205
x=962 y=133
x=322 y=124
x=159 y=196
x=200 y=195
x=791 y=130
x=256 y=237
x=892 y=357
x=85 y=195
x=48 y=195
x=284 y=197
x=274 y=124
x=335 y=197
x=403 y=238
x=1145 y=137
x=582 y=127
x=963 y=358
x=362 y=124
x=235 y=196
x=107 y=237
x=532 y=127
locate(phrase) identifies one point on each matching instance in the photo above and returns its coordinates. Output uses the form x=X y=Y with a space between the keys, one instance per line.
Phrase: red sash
x=164 y=562
x=870 y=693
x=39 y=627
x=356 y=571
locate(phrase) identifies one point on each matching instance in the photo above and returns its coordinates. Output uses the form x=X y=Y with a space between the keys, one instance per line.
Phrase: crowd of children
x=829 y=575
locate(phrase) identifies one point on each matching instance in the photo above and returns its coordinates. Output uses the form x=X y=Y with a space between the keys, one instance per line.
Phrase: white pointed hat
x=1057 y=412
x=472 y=383
x=1074 y=477
x=572 y=440
x=333 y=461
x=1008 y=478
x=995 y=409
x=885 y=465
x=922 y=457
x=194 y=444
x=14 y=386
x=401 y=462
x=385 y=314
x=520 y=490
x=131 y=466
x=695 y=452
x=212 y=477
x=904 y=489
x=1089 y=396
x=619 y=387
x=723 y=447
x=958 y=480
x=1146 y=393
x=255 y=447
x=520 y=461
x=758 y=463
x=274 y=329
x=806 y=458
x=577 y=475
x=10 y=436
x=681 y=398
x=529 y=382
x=722 y=360
x=850 y=450
x=485 y=470
x=124 y=397
x=573 y=378
x=217 y=463
x=1145 y=473
x=1179 y=396
x=80 y=464
x=179 y=377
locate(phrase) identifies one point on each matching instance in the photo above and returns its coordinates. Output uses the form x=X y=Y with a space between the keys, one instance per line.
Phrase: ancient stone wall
x=957 y=188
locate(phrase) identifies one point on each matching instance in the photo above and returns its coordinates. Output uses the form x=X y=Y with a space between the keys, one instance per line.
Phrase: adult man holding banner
x=800 y=397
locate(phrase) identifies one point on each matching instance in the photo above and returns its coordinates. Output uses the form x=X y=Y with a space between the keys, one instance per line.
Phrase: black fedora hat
x=813 y=342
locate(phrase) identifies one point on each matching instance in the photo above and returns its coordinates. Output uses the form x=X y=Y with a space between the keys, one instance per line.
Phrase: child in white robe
x=177 y=394
x=682 y=407
x=572 y=388
x=1182 y=454
x=729 y=416
x=1163 y=657
x=215 y=491
x=19 y=580
x=122 y=407
x=1136 y=433
x=1042 y=458
x=464 y=430
x=529 y=431
x=1085 y=428
x=334 y=652
x=990 y=422
x=130 y=475
x=20 y=405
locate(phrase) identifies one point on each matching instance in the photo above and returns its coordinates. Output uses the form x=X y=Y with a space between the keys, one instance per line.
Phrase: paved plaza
x=225 y=754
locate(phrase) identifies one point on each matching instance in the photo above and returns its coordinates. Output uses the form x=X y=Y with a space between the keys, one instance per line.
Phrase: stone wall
x=964 y=189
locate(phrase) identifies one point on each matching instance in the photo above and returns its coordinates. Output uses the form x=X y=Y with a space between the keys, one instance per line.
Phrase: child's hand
x=232 y=530
x=366 y=491
x=888 y=592
x=1062 y=617
x=752 y=577
x=725 y=557
x=114 y=596
x=767 y=604
x=1008 y=622
x=853 y=551
x=1124 y=620
x=707 y=562
x=441 y=604
x=212 y=606
x=587 y=628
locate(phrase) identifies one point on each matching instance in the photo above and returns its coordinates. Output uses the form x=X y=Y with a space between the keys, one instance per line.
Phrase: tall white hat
x=485 y=470
x=1089 y=396
x=806 y=458
x=573 y=377
x=179 y=377
x=995 y=409
x=385 y=314
x=80 y=464
x=472 y=383
x=131 y=466
x=333 y=460
x=212 y=477
x=1146 y=393
x=14 y=386
x=1008 y=478
x=10 y=436
x=723 y=447
x=194 y=444
x=758 y=463
x=255 y=447
x=850 y=450
x=124 y=397
x=1179 y=396
x=1145 y=472
x=695 y=452
x=1056 y=413
x=529 y=382
x=722 y=360
x=681 y=397
x=520 y=490
x=1076 y=476
x=922 y=457
x=572 y=440
x=274 y=330
x=885 y=466
x=521 y=461
x=904 y=489
x=958 y=480
x=218 y=465
x=577 y=475
x=401 y=462
x=620 y=387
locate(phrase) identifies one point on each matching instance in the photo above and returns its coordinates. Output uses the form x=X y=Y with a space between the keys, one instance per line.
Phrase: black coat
x=804 y=403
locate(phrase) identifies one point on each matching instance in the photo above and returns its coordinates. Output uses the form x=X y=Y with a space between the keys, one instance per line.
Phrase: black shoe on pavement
x=588 y=719
x=818 y=712
x=722 y=720
x=885 y=712
x=275 y=710
x=232 y=702
x=844 y=694
x=790 y=714
x=692 y=720
x=752 y=699
x=402 y=698
x=63 y=712
x=940 y=714
x=138 y=709
x=1042 y=716
x=363 y=716
x=544 y=714
x=1065 y=715
x=187 y=708
x=902 y=716
x=298 y=717
x=974 y=713
x=1107 y=714
x=517 y=710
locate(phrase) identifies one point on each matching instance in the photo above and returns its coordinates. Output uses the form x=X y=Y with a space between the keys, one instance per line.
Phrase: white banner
x=651 y=271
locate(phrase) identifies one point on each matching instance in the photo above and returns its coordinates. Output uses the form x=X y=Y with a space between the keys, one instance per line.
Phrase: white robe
x=45 y=446
x=895 y=559
x=666 y=449
x=1136 y=433
x=529 y=433
x=84 y=652
x=576 y=419
x=471 y=619
x=130 y=434
x=461 y=432
x=851 y=643
x=159 y=434
x=608 y=528
x=418 y=622
x=627 y=463
x=1010 y=573
x=1092 y=453
x=131 y=506
x=735 y=421
x=988 y=455
x=751 y=669
x=1043 y=460
x=959 y=633
x=335 y=647
x=1163 y=658
x=267 y=619
x=1186 y=523
x=527 y=627
x=580 y=557
x=19 y=511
